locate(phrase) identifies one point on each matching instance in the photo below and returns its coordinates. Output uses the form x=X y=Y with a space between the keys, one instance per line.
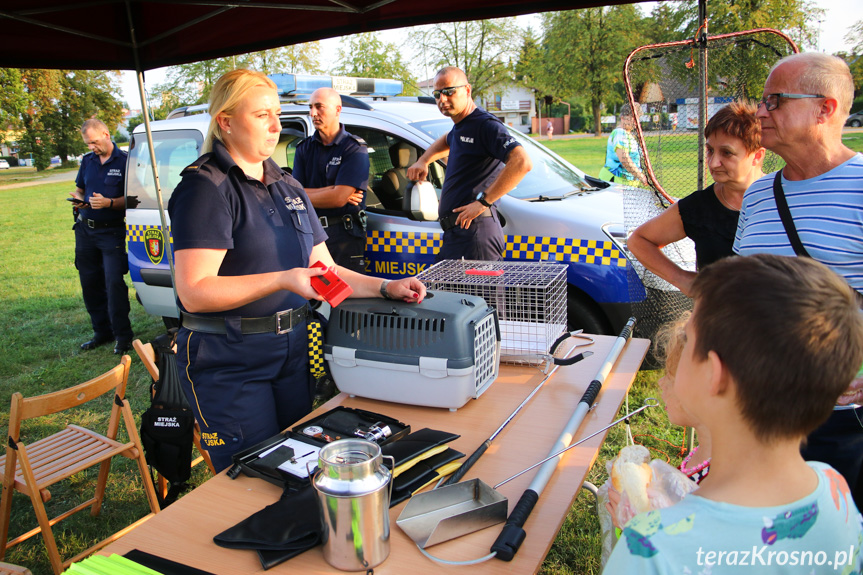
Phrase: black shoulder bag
x=785 y=215
x=168 y=425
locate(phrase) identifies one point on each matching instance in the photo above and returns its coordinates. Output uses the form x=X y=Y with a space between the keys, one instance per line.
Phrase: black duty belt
x=278 y=323
x=447 y=222
x=347 y=220
x=99 y=224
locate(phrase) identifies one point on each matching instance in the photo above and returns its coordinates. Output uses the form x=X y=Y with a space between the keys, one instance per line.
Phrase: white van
x=557 y=213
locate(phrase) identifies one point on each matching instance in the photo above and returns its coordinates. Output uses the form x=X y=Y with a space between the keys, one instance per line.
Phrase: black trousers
x=348 y=247
x=100 y=257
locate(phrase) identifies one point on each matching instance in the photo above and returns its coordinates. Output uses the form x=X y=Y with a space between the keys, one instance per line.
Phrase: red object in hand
x=476 y=272
x=332 y=287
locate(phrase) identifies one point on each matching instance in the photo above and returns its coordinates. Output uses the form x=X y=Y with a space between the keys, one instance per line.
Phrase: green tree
x=84 y=94
x=586 y=50
x=485 y=49
x=191 y=83
x=679 y=20
x=366 y=56
x=13 y=100
x=855 y=58
x=43 y=89
x=295 y=59
x=530 y=67
x=162 y=101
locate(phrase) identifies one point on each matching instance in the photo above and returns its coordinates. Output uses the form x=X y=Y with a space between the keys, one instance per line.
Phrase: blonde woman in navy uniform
x=244 y=234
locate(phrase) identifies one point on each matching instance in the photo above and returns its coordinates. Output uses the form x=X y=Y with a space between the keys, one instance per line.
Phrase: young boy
x=771 y=344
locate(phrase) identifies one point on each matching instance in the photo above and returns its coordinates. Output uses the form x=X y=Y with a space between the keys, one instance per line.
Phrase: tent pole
x=145 y=112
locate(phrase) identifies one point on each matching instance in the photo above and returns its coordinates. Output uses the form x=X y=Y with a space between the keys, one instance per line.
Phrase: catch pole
x=513 y=534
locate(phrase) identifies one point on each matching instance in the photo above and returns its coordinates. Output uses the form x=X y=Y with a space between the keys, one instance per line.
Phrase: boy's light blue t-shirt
x=820 y=533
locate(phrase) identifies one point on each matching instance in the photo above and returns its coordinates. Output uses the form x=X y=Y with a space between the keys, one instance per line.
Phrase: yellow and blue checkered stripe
x=566 y=250
x=403 y=242
x=539 y=248
x=520 y=248
x=135 y=232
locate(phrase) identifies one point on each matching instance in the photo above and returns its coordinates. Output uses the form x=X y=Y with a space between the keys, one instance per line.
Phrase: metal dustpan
x=452 y=511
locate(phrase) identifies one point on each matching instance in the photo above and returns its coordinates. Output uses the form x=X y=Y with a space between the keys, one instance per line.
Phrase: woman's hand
x=299 y=281
x=410 y=290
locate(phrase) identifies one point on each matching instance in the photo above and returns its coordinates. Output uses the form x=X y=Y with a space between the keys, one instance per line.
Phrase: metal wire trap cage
x=529 y=297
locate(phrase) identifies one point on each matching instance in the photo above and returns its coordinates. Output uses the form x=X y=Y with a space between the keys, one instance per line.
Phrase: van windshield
x=551 y=176
x=175 y=149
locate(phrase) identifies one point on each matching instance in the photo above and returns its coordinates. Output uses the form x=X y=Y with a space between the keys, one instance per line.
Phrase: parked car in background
x=557 y=213
x=4 y=165
x=855 y=120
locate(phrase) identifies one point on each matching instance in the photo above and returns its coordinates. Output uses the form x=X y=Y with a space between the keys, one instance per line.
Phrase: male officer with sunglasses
x=484 y=163
x=807 y=98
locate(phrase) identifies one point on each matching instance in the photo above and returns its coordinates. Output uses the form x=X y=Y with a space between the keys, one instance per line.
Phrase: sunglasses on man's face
x=446 y=91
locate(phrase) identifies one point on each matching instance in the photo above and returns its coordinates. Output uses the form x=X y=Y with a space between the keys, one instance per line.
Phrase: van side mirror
x=421 y=200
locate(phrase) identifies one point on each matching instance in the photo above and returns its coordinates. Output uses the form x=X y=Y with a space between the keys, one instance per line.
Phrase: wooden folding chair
x=148 y=357
x=31 y=469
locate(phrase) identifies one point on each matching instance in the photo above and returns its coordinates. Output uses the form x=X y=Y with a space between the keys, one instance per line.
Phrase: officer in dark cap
x=100 y=238
x=333 y=167
x=245 y=235
x=484 y=163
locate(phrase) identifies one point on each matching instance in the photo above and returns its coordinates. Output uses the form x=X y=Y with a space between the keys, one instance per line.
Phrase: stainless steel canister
x=354 y=488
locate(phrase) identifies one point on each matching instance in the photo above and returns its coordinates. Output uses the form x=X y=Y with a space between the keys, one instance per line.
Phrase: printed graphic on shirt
x=789 y=525
x=115 y=172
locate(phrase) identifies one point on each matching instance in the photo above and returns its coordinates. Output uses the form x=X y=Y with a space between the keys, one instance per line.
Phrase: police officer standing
x=100 y=238
x=485 y=163
x=333 y=167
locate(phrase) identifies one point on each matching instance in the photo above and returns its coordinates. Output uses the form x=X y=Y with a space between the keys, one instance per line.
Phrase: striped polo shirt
x=827 y=211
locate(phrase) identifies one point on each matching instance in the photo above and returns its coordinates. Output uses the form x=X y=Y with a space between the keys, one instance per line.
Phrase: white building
x=514 y=105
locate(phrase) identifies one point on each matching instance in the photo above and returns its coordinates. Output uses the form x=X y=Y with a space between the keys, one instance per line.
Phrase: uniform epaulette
x=359 y=140
x=191 y=168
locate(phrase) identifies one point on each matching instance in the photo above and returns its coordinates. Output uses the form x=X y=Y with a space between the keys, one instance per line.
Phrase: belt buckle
x=348 y=221
x=90 y=223
x=279 y=316
x=324 y=222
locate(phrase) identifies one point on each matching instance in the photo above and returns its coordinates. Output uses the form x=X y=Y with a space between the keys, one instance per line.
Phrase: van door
x=148 y=266
x=397 y=245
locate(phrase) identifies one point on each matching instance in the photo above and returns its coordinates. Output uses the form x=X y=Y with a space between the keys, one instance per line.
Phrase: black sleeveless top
x=709 y=224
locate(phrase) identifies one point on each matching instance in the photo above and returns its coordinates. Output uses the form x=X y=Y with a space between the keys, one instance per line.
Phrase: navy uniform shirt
x=345 y=162
x=107 y=179
x=265 y=226
x=478 y=148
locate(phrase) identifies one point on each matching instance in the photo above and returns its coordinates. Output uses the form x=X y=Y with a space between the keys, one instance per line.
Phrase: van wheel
x=584 y=314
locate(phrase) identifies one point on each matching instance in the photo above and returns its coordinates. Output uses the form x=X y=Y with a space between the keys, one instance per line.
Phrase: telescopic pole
x=513 y=534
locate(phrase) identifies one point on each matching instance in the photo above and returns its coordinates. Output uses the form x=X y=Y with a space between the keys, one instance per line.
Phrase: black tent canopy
x=146 y=34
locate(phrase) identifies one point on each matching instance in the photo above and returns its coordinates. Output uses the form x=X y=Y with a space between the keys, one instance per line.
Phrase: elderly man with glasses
x=813 y=207
x=484 y=163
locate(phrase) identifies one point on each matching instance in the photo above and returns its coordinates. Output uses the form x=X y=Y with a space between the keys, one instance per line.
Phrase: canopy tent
x=145 y=34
